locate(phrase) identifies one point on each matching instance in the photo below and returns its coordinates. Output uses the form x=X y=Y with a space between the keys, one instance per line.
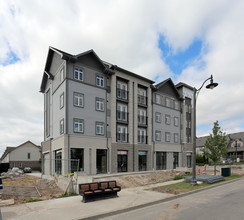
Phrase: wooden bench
x=98 y=190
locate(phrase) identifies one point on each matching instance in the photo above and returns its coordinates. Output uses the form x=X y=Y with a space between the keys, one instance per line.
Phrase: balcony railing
x=122 y=94
x=142 y=100
x=122 y=137
x=122 y=116
x=142 y=139
x=142 y=120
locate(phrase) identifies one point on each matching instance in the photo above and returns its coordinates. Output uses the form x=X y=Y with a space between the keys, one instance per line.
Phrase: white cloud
x=125 y=33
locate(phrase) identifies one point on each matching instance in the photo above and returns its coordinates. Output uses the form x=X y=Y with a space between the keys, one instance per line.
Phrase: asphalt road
x=220 y=203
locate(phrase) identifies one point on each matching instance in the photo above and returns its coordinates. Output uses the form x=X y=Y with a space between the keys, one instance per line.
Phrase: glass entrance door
x=142 y=161
x=122 y=161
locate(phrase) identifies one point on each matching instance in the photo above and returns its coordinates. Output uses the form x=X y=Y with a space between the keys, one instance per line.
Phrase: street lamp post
x=196 y=92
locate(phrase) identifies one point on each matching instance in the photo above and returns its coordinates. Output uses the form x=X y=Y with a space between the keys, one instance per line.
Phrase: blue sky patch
x=179 y=61
x=11 y=59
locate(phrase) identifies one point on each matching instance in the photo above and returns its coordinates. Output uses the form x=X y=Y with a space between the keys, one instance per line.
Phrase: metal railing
x=122 y=116
x=122 y=94
x=142 y=100
x=142 y=139
x=122 y=137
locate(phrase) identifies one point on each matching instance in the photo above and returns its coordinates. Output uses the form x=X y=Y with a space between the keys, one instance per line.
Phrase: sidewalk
x=73 y=208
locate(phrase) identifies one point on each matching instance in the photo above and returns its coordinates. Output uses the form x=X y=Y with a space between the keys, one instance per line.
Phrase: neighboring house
x=24 y=155
x=235 y=145
x=105 y=116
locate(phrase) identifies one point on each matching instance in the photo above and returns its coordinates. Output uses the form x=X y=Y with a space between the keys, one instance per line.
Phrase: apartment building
x=104 y=116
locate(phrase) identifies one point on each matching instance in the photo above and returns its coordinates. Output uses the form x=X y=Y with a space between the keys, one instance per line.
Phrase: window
x=167 y=119
x=142 y=97
x=99 y=104
x=142 y=138
x=188 y=123
x=167 y=136
x=142 y=118
x=167 y=102
x=122 y=134
x=62 y=75
x=158 y=135
x=99 y=128
x=122 y=112
x=122 y=92
x=100 y=81
x=61 y=126
x=158 y=99
x=28 y=155
x=176 y=138
x=61 y=104
x=176 y=121
x=158 y=117
x=161 y=160
x=188 y=139
x=77 y=154
x=176 y=105
x=78 y=73
x=79 y=125
x=78 y=99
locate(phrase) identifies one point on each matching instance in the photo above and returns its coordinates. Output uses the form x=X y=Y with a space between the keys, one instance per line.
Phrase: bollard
x=1 y=183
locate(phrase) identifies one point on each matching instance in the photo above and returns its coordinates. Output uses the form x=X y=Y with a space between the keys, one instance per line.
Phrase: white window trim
x=100 y=80
x=78 y=122
x=79 y=96
x=62 y=74
x=176 y=121
x=167 y=136
x=167 y=119
x=61 y=126
x=158 y=117
x=157 y=135
x=100 y=106
x=61 y=101
x=99 y=128
x=80 y=73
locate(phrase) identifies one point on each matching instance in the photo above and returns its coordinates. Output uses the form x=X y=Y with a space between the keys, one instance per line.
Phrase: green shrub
x=68 y=195
x=178 y=177
x=33 y=200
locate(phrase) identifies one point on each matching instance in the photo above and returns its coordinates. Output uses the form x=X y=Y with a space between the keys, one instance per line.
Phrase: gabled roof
x=169 y=80
x=7 y=150
x=70 y=58
x=10 y=149
x=181 y=84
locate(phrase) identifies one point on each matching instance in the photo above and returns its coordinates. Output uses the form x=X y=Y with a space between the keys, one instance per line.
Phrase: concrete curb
x=158 y=201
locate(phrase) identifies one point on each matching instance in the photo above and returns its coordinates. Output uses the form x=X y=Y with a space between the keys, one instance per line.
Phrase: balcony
x=122 y=116
x=142 y=100
x=142 y=139
x=142 y=120
x=122 y=137
x=122 y=94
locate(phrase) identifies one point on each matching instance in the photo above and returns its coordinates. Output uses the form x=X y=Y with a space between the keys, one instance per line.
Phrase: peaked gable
x=167 y=87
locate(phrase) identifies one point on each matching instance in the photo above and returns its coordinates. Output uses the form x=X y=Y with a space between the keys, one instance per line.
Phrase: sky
x=187 y=40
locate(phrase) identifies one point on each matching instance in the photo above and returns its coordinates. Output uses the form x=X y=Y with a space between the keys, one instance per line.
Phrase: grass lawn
x=183 y=187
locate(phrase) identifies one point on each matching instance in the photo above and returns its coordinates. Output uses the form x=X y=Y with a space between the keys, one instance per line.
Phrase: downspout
x=106 y=108
x=133 y=131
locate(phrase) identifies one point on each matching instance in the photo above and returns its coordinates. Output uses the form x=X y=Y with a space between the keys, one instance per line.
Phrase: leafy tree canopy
x=216 y=144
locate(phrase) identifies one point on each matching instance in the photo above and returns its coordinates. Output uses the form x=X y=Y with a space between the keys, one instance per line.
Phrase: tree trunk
x=214 y=169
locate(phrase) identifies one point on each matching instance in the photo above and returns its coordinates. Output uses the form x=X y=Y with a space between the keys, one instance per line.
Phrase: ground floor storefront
x=97 y=156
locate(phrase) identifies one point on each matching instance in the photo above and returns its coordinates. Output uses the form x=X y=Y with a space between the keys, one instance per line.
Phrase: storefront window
x=77 y=159
x=161 y=160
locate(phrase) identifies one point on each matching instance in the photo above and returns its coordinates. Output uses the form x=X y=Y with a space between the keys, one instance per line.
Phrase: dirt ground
x=22 y=188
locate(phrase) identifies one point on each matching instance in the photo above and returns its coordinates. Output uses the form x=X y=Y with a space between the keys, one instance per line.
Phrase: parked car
x=27 y=170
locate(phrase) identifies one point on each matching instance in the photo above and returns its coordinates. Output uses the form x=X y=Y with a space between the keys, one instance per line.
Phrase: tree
x=216 y=145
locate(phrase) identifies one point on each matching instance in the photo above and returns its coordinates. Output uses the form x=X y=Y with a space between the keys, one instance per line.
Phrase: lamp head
x=211 y=85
